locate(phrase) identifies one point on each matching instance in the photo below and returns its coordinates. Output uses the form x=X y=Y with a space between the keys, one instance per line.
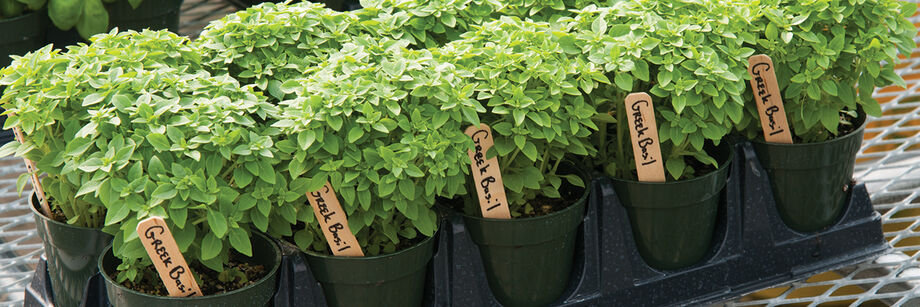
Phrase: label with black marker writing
x=169 y=262
x=643 y=132
x=333 y=222
x=487 y=176
x=769 y=100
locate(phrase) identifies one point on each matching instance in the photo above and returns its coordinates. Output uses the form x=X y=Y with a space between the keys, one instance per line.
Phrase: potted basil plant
x=828 y=60
x=696 y=102
x=539 y=120
x=382 y=125
x=177 y=135
x=58 y=118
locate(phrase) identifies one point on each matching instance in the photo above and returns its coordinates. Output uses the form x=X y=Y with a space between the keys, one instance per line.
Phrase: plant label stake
x=486 y=175
x=333 y=222
x=644 y=134
x=769 y=100
x=36 y=184
x=169 y=262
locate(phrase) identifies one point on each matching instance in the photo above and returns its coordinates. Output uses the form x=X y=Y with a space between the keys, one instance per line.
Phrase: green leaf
x=218 y=223
x=676 y=166
x=211 y=246
x=575 y=180
x=77 y=146
x=117 y=211
x=624 y=80
x=158 y=141
x=92 y=99
x=407 y=188
x=65 y=13
x=830 y=119
x=95 y=18
x=355 y=133
x=184 y=236
x=829 y=86
x=239 y=239
x=165 y=191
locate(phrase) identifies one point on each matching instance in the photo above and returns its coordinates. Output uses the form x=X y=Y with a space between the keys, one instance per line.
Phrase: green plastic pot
x=810 y=181
x=71 y=252
x=260 y=293
x=396 y=279
x=673 y=222
x=528 y=260
x=151 y=14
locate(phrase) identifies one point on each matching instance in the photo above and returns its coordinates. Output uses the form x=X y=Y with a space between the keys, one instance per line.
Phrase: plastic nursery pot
x=528 y=260
x=71 y=252
x=260 y=293
x=396 y=279
x=151 y=14
x=811 y=180
x=19 y=35
x=673 y=222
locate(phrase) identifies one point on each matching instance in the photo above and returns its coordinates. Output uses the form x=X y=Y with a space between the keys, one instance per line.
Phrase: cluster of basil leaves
x=140 y=124
x=131 y=126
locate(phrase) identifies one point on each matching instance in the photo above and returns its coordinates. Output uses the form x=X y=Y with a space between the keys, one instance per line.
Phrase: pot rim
x=346 y=258
x=32 y=205
x=860 y=115
x=30 y=14
x=271 y=274
x=584 y=196
x=728 y=162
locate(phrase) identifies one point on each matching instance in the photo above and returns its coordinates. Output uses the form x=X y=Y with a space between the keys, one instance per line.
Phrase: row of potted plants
x=228 y=135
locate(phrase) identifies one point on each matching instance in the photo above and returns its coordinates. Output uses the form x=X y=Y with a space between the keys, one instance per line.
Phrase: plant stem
x=556 y=166
x=543 y=162
x=622 y=125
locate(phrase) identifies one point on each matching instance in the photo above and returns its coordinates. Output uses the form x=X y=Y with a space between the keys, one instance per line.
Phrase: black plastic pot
x=396 y=279
x=265 y=253
x=20 y=35
x=810 y=181
x=71 y=252
x=151 y=14
x=528 y=261
x=673 y=222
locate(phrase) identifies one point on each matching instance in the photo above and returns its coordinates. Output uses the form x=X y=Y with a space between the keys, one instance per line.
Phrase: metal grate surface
x=889 y=164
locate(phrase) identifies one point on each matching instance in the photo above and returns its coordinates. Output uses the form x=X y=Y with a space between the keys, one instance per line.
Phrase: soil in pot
x=811 y=181
x=528 y=260
x=71 y=252
x=396 y=279
x=256 y=292
x=673 y=222
x=210 y=282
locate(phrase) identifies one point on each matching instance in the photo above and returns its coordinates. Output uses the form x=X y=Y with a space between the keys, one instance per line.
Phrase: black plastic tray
x=752 y=249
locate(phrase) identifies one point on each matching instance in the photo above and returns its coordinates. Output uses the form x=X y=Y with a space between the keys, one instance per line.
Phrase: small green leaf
x=218 y=223
x=239 y=239
x=211 y=246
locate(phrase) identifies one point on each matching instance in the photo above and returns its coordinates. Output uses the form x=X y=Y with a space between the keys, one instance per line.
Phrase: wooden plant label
x=486 y=175
x=36 y=184
x=644 y=134
x=769 y=100
x=169 y=262
x=334 y=222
